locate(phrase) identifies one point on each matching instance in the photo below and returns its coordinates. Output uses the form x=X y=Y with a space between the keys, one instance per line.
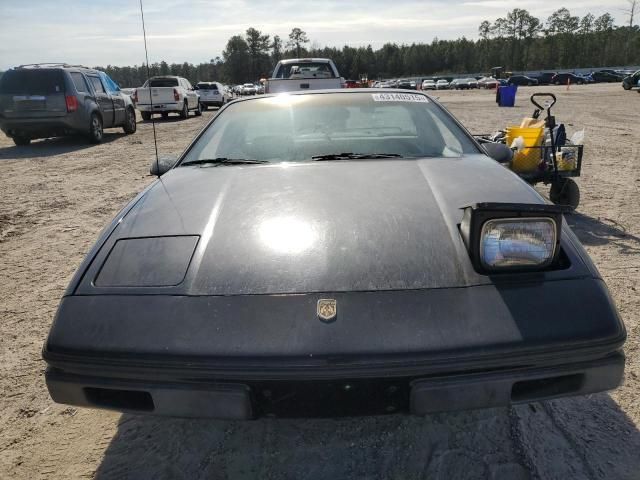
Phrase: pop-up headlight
x=512 y=237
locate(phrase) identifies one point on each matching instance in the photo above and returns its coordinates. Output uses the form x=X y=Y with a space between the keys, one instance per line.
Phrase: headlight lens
x=517 y=242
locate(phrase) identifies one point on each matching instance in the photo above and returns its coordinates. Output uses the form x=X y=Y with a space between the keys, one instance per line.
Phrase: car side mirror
x=162 y=165
x=498 y=151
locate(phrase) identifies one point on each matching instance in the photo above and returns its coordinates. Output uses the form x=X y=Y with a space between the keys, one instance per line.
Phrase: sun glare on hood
x=287 y=235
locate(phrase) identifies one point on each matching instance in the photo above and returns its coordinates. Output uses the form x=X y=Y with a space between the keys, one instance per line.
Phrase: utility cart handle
x=543 y=95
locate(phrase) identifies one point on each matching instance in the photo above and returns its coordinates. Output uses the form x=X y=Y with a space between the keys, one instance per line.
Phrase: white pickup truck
x=304 y=74
x=169 y=94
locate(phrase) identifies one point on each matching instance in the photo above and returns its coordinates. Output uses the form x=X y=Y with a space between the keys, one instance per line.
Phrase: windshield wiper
x=353 y=156
x=223 y=161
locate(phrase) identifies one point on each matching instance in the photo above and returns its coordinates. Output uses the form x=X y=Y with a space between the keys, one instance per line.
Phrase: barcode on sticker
x=398 y=97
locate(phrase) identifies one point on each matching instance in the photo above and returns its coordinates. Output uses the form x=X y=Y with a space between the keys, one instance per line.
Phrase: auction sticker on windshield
x=398 y=97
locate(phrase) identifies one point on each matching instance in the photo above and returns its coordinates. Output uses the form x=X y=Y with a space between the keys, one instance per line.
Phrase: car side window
x=187 y=85
x=96 y=84
x=79 y=82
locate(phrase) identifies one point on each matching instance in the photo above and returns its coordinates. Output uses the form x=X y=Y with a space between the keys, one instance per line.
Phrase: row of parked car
x=629 y=79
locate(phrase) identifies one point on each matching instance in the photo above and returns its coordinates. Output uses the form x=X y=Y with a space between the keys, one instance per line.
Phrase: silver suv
x=48 y=100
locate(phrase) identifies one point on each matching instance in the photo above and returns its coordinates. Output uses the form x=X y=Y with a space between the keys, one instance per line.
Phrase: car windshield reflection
x=294 y=128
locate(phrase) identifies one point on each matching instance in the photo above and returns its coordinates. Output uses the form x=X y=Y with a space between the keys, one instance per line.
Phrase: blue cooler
x=507 y=96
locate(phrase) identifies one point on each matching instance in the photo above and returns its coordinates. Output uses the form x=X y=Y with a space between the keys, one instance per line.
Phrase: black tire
x=146 y=116
x=565 y=192
x=185 y=111
x=204 y=107
x=96 y=132
x=198 y=109
x=165 y=115
x=130 y=124
x=21 y=141
x=626 y=86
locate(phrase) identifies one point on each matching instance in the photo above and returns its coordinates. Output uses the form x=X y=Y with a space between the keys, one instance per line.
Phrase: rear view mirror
x=498 y=151
x=162 y=165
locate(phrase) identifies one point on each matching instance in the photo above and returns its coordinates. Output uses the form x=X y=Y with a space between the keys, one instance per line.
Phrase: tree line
x=519 y=41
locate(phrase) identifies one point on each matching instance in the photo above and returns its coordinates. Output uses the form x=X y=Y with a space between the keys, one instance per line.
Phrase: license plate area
x=344 y=398
x=30 y=102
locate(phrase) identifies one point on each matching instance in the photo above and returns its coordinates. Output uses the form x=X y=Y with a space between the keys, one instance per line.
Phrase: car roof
x=56 y=66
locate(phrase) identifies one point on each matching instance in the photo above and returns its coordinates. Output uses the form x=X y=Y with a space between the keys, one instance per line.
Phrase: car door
x=103 y=99
x=223 y=93
x=117 y=99
x=192 y=96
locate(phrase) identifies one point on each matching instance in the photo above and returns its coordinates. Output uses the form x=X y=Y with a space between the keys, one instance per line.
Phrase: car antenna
x=153 y=123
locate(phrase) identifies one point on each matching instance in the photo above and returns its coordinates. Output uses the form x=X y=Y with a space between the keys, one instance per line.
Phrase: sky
x=109 y=32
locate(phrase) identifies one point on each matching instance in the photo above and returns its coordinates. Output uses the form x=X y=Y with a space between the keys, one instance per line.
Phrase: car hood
x=323 y=226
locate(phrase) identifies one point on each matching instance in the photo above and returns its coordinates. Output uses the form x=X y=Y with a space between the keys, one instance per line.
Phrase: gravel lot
x=56 y=196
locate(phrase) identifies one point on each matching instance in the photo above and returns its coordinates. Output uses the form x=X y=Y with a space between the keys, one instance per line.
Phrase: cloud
x=101 y=33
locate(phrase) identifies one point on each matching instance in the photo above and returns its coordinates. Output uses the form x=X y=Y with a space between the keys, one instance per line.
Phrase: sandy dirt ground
x=56 y=196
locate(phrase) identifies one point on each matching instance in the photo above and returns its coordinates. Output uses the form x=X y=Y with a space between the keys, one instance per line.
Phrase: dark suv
x=48 y=100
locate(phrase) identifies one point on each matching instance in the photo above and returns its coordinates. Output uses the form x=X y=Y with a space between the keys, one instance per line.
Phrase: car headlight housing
x=508 y=237
x=512 y=242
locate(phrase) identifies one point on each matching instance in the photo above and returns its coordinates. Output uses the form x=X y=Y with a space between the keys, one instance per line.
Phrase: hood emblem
x=327 y=309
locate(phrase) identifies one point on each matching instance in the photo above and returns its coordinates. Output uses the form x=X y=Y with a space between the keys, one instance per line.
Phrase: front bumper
x=428 y=350
x=245 y=399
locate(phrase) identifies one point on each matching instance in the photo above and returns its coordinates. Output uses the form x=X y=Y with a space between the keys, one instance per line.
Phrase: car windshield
x=207 y=86
x=293 y=128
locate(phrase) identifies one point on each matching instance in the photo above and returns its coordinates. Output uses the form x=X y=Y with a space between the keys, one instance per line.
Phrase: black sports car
x=608 y=76
x=567 y=78
x=328 y=253
x=522 y=80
